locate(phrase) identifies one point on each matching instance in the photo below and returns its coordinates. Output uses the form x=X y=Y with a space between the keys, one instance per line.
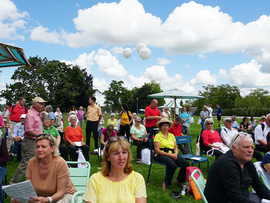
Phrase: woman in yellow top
x=167 y=152
x=112 y=120
x=126 y=120
x=117 y=182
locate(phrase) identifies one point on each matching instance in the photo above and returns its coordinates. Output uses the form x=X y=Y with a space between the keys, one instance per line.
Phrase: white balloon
x=145 y=53
x=140 y=46
x=127 y=52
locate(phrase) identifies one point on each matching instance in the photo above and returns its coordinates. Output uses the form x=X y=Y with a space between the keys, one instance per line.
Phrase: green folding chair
x=197 y=177
x=79 y=177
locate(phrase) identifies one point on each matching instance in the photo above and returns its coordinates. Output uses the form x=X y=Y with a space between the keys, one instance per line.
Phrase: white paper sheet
x=78 y=144
x=20 y=191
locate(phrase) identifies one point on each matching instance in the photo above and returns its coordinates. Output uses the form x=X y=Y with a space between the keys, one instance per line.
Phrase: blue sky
x=193 y=43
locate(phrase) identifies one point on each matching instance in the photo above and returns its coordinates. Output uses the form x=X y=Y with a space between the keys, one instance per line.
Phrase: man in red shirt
x=176 y=130
x=14 y=117
x=152 y=116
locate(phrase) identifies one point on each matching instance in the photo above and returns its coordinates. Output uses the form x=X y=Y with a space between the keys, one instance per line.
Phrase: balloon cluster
x=141 y=48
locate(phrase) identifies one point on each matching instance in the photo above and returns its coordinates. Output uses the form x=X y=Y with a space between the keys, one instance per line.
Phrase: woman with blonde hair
x=116 y=182
x=49 y=173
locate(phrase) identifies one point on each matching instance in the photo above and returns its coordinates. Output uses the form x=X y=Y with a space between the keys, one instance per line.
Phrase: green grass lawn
x=154 y=190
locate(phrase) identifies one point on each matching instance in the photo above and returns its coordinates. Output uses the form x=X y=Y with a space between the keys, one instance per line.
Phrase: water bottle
x=183 y=192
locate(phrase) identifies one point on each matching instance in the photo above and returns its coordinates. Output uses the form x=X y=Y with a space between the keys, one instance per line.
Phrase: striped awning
x=12 y=56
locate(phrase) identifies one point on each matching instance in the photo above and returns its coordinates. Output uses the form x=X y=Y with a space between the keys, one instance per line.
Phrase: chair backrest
x=197 y=177
x=79 y=176
x=262 y=174
x=184 y=140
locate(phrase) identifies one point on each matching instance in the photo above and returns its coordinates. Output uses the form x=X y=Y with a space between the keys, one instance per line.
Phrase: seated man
x=18 y=137
x=228 y=133
x=233 y=173
x=234 y=123
x=176 y=130
x=260 y=134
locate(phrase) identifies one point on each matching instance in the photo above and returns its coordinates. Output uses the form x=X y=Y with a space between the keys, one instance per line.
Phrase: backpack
x=57 y=122
x=189 y=171
x=13 y=106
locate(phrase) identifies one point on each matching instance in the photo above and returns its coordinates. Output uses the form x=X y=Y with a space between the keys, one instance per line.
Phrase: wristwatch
x=50 y=199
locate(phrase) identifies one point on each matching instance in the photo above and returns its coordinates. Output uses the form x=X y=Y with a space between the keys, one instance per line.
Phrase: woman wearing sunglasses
x=112 y=120
x=49 y=173
x=212 y=140
x=116 y=182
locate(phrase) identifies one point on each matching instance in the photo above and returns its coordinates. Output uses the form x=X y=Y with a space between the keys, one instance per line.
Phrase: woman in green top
x=47 y=128
x=137 y=131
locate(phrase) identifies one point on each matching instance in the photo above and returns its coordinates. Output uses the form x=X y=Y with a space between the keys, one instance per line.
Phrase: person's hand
x=174 y=156
x=145 y=139
x=39 y=200
x=14 y=201
x=73 y=144
x=217 y=147
x=159 y=117
x=7 y=126
x=83 y=143
x=17 y=138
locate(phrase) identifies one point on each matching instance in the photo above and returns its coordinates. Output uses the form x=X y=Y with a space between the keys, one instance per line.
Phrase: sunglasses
x=115 y=138
x=138 y=121
x=209 y=123
x=47 y=136
x=241 y=135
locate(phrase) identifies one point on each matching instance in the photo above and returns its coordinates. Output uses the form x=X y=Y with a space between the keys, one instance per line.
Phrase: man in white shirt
x=260 y=133
x=228 y=132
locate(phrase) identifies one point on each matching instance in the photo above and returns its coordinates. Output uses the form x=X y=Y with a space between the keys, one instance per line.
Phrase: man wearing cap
x=228 y=132
x=13 y=118
x=234 y=122
x=18 y=137
x=233 y=173
x=204 y=115
x=152 y=116
x=260 y=134
x=32 y=128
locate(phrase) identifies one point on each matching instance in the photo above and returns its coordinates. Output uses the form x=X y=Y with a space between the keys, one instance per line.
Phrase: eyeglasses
x=209 y=123
x=138 y=121
x=112 y=116
x=115 y=138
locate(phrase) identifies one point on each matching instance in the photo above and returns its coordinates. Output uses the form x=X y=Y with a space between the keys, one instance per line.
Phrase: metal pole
x=137 y=105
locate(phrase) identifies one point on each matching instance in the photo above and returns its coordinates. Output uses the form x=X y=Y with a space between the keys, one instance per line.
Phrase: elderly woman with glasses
x=211 y=139
x=112 y=120
x=47 y=128
x=116 y=182
x=137 y=131
x=74 y=139
x=49 y=173
x=167 y=152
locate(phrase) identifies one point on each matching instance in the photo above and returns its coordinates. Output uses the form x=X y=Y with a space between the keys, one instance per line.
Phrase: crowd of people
x=37 y=137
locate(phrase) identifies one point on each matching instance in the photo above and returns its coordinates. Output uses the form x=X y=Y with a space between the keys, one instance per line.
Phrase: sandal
x=176 y=195
x=138 y=161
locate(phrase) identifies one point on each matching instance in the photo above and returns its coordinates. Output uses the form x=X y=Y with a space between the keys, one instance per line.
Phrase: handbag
x=223 y=149
x=191 y=120
x=145 y=156
x=200 y=120
x=81 y=158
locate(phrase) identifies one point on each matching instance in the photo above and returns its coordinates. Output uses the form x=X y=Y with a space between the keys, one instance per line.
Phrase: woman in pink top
x=210 y=137
x=81 y=113
x=106 y=133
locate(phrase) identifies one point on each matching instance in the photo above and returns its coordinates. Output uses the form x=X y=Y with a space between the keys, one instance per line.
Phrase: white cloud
x=11 y=21
x=116 y=51
x=163 y=61
x=202 y=56
x=187 y=66
x=248 y=75
x=108 y=64
x=223 y=73
x=203 y=78
x=100 y=85
x=85 y=61
x=44 y=35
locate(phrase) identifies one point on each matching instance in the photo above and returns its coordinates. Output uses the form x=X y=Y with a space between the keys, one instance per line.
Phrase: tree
x=54 y=81
x=116 y=95
x=224 y=95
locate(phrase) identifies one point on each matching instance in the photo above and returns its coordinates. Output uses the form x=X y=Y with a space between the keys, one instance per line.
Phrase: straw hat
x=164 y=120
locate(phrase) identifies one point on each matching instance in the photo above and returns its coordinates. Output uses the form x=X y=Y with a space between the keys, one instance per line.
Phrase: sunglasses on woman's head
x=115 y=138
x=47 y=136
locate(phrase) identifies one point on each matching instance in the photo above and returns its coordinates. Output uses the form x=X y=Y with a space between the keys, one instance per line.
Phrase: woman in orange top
x=74 y=140
x=49 y=173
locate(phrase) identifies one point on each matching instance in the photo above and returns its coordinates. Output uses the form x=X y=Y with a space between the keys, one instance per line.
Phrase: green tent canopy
x=12 y=56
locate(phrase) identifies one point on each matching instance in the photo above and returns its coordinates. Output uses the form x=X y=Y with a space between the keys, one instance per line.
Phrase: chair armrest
x=76 y=194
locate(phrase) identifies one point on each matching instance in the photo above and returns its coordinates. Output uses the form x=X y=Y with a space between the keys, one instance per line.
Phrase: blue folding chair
x=152 y=150
x=193 y=158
